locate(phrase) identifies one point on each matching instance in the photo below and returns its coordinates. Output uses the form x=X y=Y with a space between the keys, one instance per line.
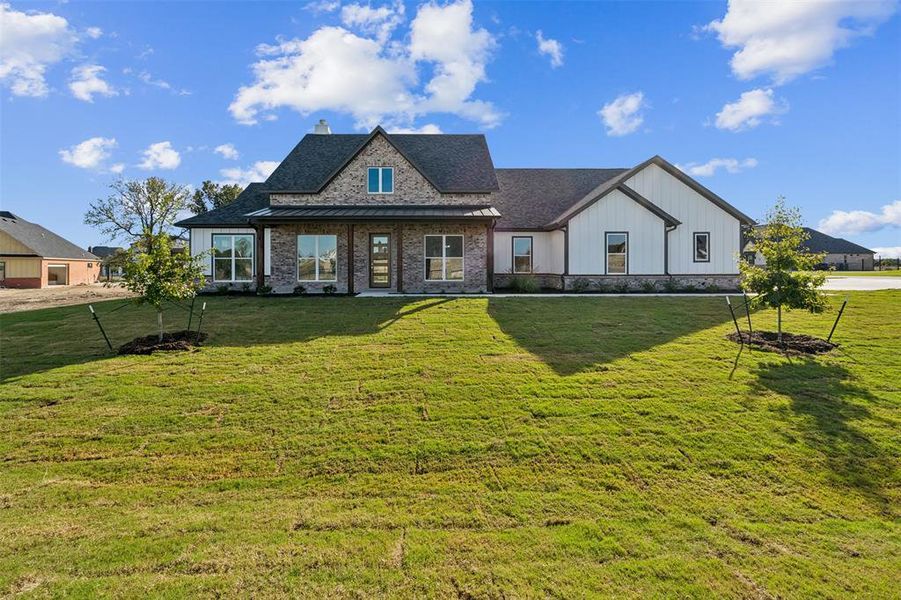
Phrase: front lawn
x=469 y=447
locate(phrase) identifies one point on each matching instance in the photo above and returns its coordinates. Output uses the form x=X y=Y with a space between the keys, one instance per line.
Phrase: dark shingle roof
x=40 y=240
x=533 y=198
x=104 y=251
x=251 y=199
x=452 y=163
x=820 y=242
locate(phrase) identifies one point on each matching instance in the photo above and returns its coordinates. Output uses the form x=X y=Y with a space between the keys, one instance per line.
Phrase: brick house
x=430 y=213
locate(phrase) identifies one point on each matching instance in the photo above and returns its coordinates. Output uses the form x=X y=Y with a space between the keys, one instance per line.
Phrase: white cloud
x=89 y=154
x=379 y=22
x=888 y=251
x=862 y=221
x=29 y=44
x=550 y=48
x=787 y=39
x=93 y=32
x=323 y=6
x=750 y=110
x=147 y=78
x=160 y=155
x=427 y=128
x=86 y=81
x=623 y=115
x=227 y=151
x=259 y=171
x=373 y=78
x=709 y=168
x=117 y=168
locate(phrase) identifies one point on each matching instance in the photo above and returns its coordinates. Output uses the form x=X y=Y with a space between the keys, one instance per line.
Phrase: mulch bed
x=179 y=340
x=792 y=343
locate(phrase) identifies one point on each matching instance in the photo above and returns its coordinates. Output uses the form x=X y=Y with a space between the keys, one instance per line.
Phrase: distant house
x=34 y=257
x=108 y=255
x=841 y=254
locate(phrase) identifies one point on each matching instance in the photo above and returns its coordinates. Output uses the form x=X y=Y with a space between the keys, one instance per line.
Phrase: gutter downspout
x=666 y=232
x=565 y=257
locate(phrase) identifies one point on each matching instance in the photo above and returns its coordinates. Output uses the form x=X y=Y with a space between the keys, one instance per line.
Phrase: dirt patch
x=179 y=340
x=14 y=300
x=792 y=343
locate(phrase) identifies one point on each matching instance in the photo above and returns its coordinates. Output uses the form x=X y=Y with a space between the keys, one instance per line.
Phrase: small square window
x=380 y=180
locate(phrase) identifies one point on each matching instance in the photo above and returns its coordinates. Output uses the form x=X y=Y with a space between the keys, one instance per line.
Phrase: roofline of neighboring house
x=604 y=188
x=91 y=258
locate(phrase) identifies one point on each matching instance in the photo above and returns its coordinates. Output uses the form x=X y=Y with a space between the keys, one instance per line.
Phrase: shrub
x=329 y=290
x=690 y=288
x=622 y=287
x=648 y=287
x=299 y=290
x=670 y=285
x=245 y=287
x=223 y=288
x=580 y=286
x=524 y=284
x=264 y=290
x=713 y=288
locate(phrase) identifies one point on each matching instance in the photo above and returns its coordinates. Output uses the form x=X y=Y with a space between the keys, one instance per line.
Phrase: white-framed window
x=701 y=246
x=522 y=254
x=317 y=258
x=233 y=257
x=444 y=257
x=617 y=252
x=380 y=180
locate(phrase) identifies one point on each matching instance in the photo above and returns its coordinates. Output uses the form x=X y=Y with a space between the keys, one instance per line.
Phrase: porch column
x=350 y=258
x=490 y=256
x=399 y=236
x=260 y=254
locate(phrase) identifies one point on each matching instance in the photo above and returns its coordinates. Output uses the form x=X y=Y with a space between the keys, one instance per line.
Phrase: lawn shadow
x=46 y=339
x=574 y=334
x=829 y=403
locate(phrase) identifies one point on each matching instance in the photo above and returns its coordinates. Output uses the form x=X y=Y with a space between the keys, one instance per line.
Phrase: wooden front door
x=379 y=260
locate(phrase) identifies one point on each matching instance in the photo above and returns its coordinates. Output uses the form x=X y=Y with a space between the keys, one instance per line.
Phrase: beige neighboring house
x=32 y=256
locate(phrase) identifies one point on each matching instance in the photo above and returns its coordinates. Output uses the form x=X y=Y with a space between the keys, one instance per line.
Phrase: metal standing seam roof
x=40 y=240
x=380 y=212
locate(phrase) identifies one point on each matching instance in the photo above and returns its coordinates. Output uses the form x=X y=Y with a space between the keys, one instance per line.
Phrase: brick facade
x=283 y=275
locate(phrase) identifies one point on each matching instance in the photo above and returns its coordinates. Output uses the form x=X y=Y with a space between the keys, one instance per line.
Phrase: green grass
x=891 y=273
x=506 y=447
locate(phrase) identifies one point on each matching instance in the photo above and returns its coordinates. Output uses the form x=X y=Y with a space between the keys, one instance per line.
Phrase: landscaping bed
x=177 y=340
x=793 y=343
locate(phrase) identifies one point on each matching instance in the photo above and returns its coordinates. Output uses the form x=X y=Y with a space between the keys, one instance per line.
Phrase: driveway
x=867 y=284
x=12 y=300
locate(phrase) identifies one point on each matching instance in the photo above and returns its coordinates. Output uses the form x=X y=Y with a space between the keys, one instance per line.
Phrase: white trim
x=316 y=257
x=233 y=258
x=444 y=256
x=607 y=252
x=380 y=192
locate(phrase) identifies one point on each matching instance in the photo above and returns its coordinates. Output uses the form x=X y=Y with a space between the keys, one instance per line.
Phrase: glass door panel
x=379 y=260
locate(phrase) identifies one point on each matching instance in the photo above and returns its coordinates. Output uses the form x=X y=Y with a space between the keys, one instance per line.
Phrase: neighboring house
x=841 y=254
x=34 y=257
x=109 y=256
x=430 y=213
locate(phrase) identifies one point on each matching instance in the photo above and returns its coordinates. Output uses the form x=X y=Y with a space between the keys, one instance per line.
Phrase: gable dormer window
x=381 y=180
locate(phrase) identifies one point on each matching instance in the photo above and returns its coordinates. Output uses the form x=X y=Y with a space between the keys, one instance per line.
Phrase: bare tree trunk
x=159 y=321
x=778 y=322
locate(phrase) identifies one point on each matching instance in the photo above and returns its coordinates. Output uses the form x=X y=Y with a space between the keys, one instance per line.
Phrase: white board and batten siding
x=547 y=251
x=202 y=241
x=697 y=214
x=616 y=212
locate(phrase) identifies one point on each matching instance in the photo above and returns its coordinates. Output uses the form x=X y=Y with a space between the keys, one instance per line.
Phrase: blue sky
x=753 y=99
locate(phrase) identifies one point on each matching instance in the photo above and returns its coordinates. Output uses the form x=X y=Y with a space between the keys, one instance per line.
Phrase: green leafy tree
x=158 y=275
x=787 y=278
x=211 y=196
x=137 y=209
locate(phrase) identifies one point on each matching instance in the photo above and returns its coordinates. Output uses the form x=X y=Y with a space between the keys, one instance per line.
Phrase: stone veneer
x=660 y=283
x=350 y=185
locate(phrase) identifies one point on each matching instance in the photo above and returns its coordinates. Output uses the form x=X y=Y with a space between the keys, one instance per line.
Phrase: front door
x=379 y=260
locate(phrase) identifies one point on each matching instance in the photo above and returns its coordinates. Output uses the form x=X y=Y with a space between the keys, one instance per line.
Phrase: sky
x=753 y=99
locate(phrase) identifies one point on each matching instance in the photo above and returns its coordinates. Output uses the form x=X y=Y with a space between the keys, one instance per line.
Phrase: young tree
x=213 y=195
x=138 y=208
x=787 y=278
x=158 y=275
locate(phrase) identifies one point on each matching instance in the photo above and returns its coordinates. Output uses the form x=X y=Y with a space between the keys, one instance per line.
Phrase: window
x=443 y=257
x=522 y=254
x=317 y=258
x=617 y=253
x=233 y=257
x=2 y=270
x=381 y=180
x=702 y=246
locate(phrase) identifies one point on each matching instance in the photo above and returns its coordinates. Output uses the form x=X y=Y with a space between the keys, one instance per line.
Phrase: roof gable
x=252 y=198
x=820 y=242
x=451 y=163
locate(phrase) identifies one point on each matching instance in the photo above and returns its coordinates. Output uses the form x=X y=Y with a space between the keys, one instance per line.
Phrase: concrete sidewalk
x=864 y=284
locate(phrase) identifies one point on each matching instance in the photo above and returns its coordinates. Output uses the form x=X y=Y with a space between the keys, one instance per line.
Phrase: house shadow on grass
x=42 y=340
x=832 y=409
x=574 y=334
